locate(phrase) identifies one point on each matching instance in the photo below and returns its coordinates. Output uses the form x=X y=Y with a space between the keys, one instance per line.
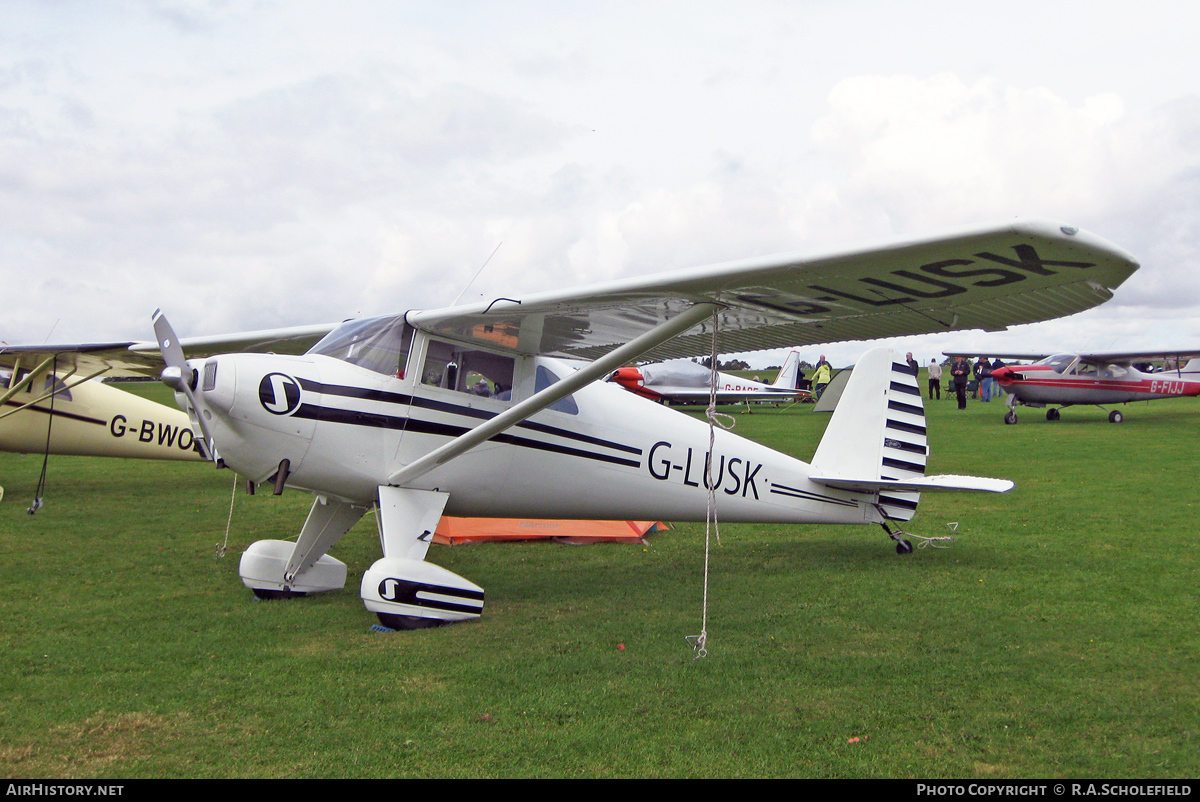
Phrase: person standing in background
x=983 y=378
x=996 y=365
x=935 y=379
x=822 y=376
x=960 y=371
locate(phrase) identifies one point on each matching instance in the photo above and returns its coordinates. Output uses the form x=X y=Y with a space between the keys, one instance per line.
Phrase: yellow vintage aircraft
x=42 y=413
x=47 y=406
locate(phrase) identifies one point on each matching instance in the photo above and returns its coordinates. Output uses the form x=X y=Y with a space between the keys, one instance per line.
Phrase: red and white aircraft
x=488 y=410
x=685 y=381
x=1068 y=380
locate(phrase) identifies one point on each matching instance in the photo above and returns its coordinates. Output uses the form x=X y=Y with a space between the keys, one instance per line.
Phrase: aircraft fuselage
x=1042 y=384
x=344 y=429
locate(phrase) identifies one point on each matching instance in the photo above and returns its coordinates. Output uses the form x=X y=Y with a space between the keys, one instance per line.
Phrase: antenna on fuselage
x=477 y=272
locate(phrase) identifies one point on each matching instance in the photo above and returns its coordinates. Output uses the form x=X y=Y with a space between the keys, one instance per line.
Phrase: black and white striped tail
x=905 y=446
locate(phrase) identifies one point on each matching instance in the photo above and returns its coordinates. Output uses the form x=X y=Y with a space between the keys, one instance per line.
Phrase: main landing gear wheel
x=1010 y=418
x=904 y=547
x=1052 y=414
x=1115 y=417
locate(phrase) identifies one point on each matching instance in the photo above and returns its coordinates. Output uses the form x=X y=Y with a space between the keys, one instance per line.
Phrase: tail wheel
x=1010 y=418
x=1115 y=417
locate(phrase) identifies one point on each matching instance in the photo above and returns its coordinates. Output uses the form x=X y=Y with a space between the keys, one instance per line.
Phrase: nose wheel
x=1052 y=414
x=1010 y=417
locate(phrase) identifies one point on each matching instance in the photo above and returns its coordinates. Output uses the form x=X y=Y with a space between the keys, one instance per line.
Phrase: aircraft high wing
x=144 y=358
x=486 y=410
x=1099 y=379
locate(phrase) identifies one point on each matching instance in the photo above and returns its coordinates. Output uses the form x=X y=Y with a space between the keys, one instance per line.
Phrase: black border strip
x=901 y=445
x=791 y=492
x=900 y=406
x=904 y=466
x=897 y=502
x=58 y=413
x=383 y=396
x=377 y=421
x=911 y=428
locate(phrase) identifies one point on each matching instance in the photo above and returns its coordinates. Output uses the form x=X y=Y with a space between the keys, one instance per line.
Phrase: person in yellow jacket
x=823 y=375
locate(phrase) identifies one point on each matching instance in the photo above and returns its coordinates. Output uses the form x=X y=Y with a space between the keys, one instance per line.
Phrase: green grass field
x=1056 y=638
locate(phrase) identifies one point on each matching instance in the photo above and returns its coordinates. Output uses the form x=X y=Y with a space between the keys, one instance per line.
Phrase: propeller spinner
x=181 y=378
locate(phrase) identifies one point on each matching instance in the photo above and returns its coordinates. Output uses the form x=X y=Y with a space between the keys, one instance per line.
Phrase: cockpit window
x=379 y=344
x=1060 y=362
x=467 y=370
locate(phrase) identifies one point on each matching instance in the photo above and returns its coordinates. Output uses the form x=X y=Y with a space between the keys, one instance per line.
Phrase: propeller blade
x=180 y=377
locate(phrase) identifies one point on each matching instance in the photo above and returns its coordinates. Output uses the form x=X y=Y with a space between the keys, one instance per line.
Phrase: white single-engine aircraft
x=380 y=413
x=1068 y=380
x=685 y=381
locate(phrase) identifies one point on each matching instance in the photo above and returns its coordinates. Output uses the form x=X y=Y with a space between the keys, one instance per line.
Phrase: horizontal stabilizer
x=917 y=484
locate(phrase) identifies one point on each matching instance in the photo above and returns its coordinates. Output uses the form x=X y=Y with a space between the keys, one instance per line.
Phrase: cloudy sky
x=255 y=164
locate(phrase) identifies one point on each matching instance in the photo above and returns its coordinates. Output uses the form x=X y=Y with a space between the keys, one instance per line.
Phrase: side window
x=544 y=379
x=54 y=383
x=1114 y=372
x=466 y=370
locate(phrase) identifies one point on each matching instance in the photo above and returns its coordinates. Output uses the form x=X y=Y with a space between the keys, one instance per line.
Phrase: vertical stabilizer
x=877 y=432
x=788 y=373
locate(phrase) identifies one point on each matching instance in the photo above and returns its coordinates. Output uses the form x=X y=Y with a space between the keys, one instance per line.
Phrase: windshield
x=1060 y=362
x=379 y=344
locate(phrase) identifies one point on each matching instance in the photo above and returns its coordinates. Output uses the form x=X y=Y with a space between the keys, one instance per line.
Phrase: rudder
x=877 y=433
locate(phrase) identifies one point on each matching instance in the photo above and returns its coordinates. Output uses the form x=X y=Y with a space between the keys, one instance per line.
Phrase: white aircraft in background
x=485 y=410
x=685 y=381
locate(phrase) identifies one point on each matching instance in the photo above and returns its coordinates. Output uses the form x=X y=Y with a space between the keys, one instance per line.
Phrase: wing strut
x=536 y=403
x=52 y=392
x=17 y=386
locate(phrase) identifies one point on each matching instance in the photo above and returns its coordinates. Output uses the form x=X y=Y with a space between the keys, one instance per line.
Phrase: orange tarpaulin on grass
x=451 y=531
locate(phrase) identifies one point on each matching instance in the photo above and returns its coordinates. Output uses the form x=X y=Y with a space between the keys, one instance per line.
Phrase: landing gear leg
x=277 y=569
x=1010 y=417
x=902 y=546
x=402 y=589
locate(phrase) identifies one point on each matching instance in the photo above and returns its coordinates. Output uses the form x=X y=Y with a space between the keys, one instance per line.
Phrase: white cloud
x=255 y=165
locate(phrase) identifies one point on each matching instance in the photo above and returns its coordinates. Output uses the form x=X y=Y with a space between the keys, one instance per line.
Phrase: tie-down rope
x=712 y=527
